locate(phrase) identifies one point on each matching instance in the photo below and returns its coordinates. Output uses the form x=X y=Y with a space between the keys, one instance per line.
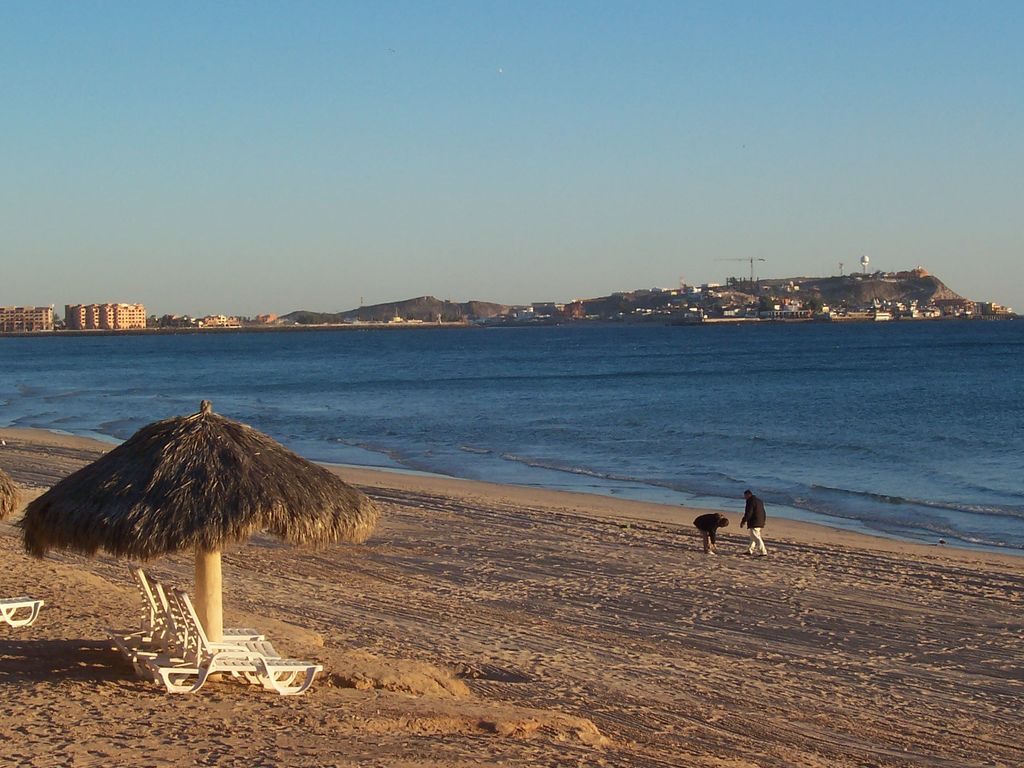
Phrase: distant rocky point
x=906 y=287
x=913 y=294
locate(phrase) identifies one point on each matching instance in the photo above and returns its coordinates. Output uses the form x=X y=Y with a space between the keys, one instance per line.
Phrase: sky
x=254 y=157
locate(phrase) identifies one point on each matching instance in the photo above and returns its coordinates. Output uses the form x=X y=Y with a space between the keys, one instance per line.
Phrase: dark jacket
x=753 y=515
x=711 y=522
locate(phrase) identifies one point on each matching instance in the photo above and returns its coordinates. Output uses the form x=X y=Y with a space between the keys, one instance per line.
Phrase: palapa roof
x=8 y=495
x=199 y=481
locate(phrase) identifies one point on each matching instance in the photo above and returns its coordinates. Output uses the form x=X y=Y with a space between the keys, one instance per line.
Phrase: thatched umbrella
x=196 y=482
x=8 y=495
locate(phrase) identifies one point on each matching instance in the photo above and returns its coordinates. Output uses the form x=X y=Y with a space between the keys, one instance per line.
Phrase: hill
x=426 y=309
x=858 y=290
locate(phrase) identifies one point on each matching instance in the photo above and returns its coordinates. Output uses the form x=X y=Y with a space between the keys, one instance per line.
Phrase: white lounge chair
x=187 y=667
x=177 y=624
x=156 y=635
x=151 y=638
x=12 y=610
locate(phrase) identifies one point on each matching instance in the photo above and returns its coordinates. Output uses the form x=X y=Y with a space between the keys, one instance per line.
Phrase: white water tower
x=864 y=261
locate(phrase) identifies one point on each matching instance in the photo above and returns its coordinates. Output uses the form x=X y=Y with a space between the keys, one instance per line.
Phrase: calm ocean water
x=912 y=430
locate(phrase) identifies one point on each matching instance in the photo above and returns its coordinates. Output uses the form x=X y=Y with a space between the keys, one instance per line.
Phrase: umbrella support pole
x=209 y=604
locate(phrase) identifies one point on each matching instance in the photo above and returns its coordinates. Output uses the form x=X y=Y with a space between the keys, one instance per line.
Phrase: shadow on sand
x=90 y=660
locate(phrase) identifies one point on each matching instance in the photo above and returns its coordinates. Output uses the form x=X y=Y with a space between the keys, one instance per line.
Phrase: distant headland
x=879 y=296
x=866 y=297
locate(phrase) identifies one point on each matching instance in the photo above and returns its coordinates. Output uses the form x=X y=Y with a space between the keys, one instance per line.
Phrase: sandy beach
x=496 y=625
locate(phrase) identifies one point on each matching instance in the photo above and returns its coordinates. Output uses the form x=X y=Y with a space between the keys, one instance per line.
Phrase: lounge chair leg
x=175 y=679
x=278 y=681
x=11 y=611
x=282 y=682
x=253 y=679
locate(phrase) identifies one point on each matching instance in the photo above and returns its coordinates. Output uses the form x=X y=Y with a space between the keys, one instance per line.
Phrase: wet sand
x=497 y=625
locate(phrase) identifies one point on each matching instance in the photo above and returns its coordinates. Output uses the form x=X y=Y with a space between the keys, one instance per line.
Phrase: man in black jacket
x=753 y=520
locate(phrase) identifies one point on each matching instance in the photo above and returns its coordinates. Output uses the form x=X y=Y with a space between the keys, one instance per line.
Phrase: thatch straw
x=200 y=481
x=8 y=495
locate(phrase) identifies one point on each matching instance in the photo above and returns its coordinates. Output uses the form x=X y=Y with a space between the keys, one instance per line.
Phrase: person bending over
x=708 y=526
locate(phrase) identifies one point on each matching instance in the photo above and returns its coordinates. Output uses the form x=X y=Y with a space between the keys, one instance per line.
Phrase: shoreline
x=600 y=506
x=779 y=512
x=625 y=511
x=484 y=325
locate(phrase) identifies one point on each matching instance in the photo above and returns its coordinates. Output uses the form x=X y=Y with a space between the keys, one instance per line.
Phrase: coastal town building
x=78 y=317
x=547 y=309
x=219 y=321
x=956 y=307
x=574 y=310
x=26 y=319
x=104 y=317
x=175 y=321
x=990 y=308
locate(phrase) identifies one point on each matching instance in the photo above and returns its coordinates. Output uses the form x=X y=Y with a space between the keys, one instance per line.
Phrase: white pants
x=756 y=542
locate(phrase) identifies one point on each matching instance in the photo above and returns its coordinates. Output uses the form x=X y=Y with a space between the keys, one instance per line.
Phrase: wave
x=563 y=467
x=575 y=469
x=932 y=533
x=991 y=510
x=468 y=379
x=120 y=428
x=58 y=396
x=35 y=420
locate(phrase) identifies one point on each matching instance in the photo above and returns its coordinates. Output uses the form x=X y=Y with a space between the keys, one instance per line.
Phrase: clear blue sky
x=252 y=157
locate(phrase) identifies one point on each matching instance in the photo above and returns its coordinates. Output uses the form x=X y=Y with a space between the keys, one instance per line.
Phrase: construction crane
x=751 y=259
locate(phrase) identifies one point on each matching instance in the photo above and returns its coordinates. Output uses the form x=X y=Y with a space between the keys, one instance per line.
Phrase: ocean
x=911 y=430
